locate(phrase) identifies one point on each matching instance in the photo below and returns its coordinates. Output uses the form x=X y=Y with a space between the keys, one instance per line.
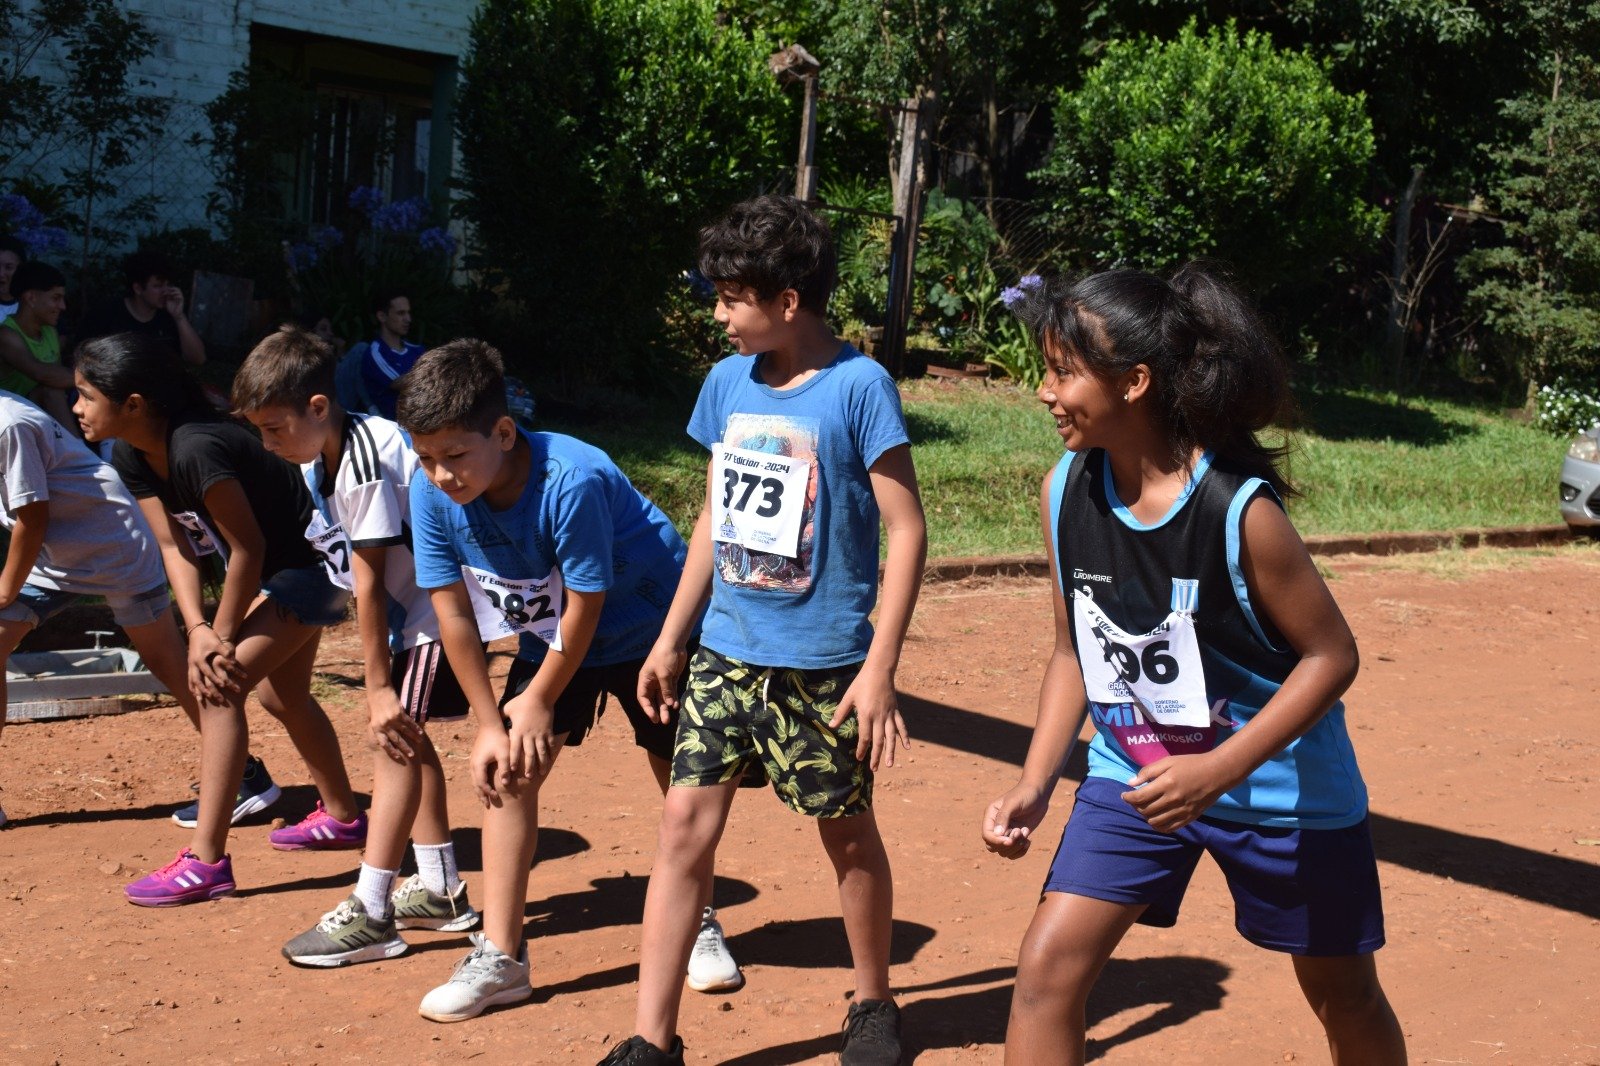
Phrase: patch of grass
x=1366 y=463
x=1458 y=564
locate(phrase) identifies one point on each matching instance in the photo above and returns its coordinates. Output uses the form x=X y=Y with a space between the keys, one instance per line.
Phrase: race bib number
x=1158 y=672
x=333 y=548
x=203 y=540
x=507 y=607
x=758 y=499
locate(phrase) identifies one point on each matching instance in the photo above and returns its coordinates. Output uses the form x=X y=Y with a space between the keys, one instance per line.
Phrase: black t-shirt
x=113 y=316
x=202 y=451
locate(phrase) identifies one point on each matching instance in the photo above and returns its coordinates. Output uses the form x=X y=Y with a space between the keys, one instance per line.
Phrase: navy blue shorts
x=1303 y=891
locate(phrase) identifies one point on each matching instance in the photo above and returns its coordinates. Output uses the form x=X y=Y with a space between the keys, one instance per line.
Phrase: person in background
x=389 y=354
x=152 y=305
x=30 y=348
x=12 y=253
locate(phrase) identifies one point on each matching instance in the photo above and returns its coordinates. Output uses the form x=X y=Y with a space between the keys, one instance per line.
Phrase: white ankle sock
x=373 y=888
x=437 y=865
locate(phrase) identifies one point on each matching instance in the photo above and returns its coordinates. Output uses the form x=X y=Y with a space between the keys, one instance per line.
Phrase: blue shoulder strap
x=1058 y=490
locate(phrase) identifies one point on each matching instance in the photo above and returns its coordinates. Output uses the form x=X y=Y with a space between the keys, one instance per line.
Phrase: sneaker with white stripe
x=321 y=831
x=347 y=934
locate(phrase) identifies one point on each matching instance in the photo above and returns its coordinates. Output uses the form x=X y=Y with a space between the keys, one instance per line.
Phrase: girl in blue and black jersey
x=1195 y=632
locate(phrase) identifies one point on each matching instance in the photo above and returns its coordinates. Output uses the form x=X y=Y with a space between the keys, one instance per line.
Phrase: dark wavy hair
x=770 y=244
x=1217 y=375
x=122 y=364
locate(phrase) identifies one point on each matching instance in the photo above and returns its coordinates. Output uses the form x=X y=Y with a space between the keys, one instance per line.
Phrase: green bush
x=1211 y=145
x=1566 y=409
x=597 y=136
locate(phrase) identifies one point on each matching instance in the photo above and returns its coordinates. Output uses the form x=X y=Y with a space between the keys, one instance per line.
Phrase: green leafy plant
x=597 y=136
x=1214 y=144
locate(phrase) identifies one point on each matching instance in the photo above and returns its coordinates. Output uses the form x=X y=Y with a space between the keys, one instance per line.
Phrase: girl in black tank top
x=1190 y=623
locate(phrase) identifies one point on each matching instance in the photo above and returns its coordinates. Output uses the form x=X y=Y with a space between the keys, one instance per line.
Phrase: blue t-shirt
x=381 y=367
x=808 y=612
x=580 y=515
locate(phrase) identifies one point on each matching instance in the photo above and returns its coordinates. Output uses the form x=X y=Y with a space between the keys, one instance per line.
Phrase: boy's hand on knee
x=491 y=764
x=871 y=698
x=1009 y=824
x=392 y=730
x=532 y=740
x=658 y=682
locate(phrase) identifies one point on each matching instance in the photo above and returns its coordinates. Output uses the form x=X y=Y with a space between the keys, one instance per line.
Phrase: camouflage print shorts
x=735 y=714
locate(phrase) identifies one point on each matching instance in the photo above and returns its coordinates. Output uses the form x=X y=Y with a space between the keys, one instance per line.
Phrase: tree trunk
x=1394 y=333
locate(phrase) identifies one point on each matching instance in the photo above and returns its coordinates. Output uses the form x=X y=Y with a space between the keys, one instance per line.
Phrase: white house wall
x=201 y=42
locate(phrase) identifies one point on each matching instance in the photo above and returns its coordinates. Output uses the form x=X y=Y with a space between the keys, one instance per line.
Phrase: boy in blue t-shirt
x=539 y=536
x=808 y=449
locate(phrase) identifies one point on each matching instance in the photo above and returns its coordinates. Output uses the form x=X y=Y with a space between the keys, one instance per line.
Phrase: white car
x=1580 y=481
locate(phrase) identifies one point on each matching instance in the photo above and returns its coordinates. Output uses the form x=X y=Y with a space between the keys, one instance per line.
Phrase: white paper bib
x=202 y=539
x=333 y=548
x=758 y=499
x=505 y=606
x=1160 y=671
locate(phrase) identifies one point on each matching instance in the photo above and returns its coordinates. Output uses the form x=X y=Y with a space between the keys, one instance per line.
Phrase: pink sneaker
x=183 y=880
x=321 y=831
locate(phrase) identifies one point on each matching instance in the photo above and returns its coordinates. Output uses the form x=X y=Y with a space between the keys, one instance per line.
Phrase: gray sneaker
x=345 y=935
x=416 y=906
x=487 y=977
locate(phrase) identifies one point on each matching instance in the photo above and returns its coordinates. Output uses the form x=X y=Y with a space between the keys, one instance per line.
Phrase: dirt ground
x=1474 y=718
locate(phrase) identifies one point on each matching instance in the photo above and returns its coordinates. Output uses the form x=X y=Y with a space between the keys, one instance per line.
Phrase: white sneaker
x=486 y=978
x=711 y=965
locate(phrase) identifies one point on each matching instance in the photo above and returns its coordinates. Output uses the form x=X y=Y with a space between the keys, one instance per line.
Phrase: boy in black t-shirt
x=152 y=305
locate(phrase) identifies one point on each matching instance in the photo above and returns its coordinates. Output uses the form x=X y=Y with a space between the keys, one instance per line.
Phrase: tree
x=596 y=137
x=91 y=117
x=1211 y=145
x=1539 y=291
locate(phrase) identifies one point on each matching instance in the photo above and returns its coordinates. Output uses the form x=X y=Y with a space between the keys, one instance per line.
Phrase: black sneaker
x=871 y=1034
x=637 y=1051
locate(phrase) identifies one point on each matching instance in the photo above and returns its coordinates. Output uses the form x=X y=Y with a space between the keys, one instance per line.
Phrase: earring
x=1127 y=397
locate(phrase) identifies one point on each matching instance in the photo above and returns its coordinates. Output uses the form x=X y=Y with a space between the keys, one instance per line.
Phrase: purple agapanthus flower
x=403 y=216
x=303 y=256
x=1015 y=294
x=366 y=198
x=19 y=213
x=437 y=239
x=326 y=236
x=40 y=240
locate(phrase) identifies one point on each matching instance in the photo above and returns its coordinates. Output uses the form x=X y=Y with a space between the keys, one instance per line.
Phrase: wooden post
x=805 y=175
x=915 y=121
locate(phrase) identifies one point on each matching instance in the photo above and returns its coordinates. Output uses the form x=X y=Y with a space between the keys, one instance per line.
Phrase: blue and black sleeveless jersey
x=1174 y=656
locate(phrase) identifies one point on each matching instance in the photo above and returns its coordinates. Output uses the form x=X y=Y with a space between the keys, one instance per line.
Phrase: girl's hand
x=391 y=728
x=871 y=698
x=212 y=666
x=1173 y=792
x=1009 y=825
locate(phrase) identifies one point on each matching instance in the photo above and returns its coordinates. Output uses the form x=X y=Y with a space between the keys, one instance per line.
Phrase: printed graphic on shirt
x=506 y=607
x=202 y=540
x=1148 y=690
x=737 y=503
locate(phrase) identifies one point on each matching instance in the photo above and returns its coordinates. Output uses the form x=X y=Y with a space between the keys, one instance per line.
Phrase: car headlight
x=1585 y=448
